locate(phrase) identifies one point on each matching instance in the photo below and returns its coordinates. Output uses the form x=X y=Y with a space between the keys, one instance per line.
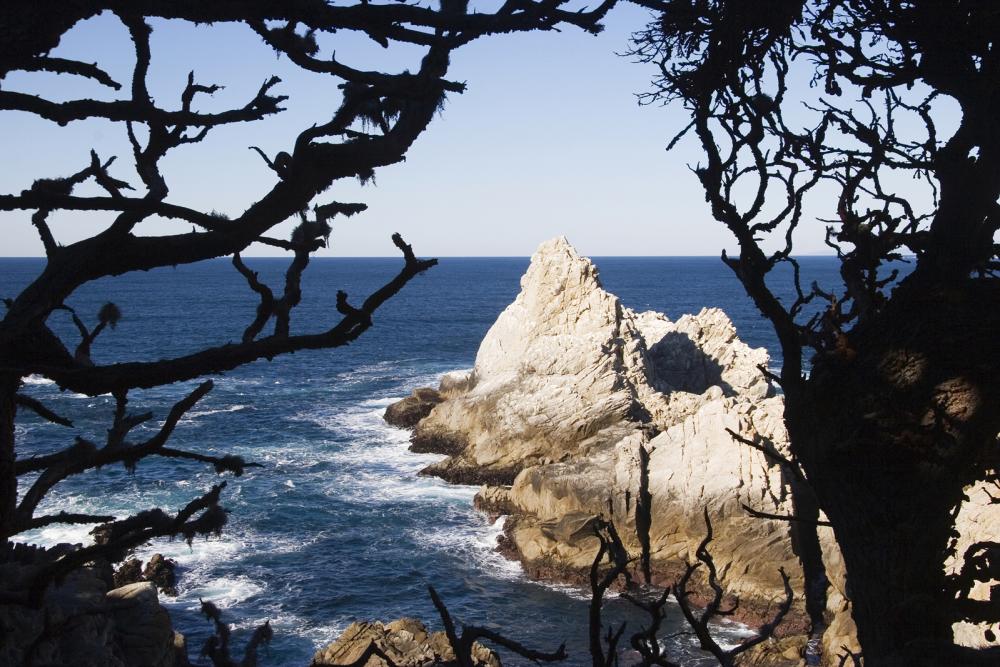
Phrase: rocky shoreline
x=579 y=408
x=91 y=618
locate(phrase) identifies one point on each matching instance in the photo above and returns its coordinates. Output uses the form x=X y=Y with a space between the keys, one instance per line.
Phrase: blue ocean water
x=336 y=526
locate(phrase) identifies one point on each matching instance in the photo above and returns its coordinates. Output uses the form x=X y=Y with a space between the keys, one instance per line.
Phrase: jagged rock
x=163 y=573
x=585 y=408
x=405 y=641
x=129 y=572
x=407 y=412
x=577 y=402
x=567 y=371
x=555 y=376
x=93 y=627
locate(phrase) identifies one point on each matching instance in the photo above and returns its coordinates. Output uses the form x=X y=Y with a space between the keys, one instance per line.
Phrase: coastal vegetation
x=890 y=380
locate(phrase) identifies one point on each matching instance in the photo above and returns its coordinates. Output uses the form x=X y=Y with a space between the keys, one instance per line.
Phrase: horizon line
x=449 y=257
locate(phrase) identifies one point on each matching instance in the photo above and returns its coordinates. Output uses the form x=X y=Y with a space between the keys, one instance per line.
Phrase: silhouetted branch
x=699 y=622
x=618 y=559
x=782 y=517
x=463 y=644
x=64 y=517
x=846 y=655
x=760 y=444
x=105 y=379
x=266 y=306
x=646 y=642
x=216 y=647
x=114 y=539
x=84 y=455
x=36 y=406
x=65 y=66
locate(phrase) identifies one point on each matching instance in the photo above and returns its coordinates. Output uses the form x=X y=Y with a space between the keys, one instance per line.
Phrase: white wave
x=224 y=592
x=237 y=382
x=377 y=488
x=37 y=379
x=201 y=552
x=729 y=634
x=57 y=534
x=194 y=414
x=286 y=623
x=476 y=542
x=381 y=402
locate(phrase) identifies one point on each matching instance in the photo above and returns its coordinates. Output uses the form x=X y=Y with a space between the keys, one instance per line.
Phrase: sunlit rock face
x=579 y=408
x=583 y=405
x=405 y=641
x=566 y=371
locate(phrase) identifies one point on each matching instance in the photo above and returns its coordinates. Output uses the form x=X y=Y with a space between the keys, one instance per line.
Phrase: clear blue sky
x=548 y=140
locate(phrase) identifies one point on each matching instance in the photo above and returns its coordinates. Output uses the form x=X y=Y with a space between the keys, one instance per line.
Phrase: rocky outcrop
x=585 y=408
x=406 y=642
x=159 y=570
x=567 y=371
x=143 y=631
x=579 y=408
x=81 y=622
x=409 y=411
x=162 y=572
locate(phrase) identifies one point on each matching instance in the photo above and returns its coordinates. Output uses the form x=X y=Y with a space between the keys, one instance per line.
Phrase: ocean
x=337 y=526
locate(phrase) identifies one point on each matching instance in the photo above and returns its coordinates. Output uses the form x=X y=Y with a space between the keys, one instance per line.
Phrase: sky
x=548 y=140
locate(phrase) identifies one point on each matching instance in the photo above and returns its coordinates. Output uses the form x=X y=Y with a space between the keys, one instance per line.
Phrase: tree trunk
x=8 y=476
x=890 y=430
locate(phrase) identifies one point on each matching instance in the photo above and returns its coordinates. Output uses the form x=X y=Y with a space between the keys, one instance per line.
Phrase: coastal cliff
x=579 y=408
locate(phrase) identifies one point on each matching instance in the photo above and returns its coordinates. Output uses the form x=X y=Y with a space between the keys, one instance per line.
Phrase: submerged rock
x=405 y=641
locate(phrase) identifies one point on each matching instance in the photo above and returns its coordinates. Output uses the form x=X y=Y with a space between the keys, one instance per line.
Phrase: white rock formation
x=572 y=392
x=569 y=385
x=566 y=370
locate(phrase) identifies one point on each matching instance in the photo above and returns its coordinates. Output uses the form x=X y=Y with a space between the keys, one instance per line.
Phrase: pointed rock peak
x=557 y=265
x=556 y=245
x=561 y=322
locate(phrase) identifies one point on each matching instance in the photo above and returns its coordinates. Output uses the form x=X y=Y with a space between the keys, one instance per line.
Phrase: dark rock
x=142 y=627
x=437 y=441
x=471 y=475
x=80 y=623
x=408 y=412
x=130 y=572
x=162 y=572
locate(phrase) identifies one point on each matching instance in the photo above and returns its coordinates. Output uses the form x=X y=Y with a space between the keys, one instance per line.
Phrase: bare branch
x=36 y=406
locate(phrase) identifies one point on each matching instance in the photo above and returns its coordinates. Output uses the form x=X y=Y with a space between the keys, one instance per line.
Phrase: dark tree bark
x=892 y=398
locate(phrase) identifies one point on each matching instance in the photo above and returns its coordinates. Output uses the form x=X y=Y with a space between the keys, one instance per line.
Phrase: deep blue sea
x=336 y=526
